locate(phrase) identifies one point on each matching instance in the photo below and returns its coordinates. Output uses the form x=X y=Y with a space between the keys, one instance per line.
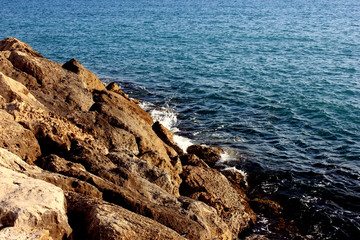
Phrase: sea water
x=276 y=82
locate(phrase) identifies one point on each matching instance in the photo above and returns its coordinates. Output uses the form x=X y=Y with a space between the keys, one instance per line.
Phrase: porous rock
x=18 y=140
x=100 y=220
x=210 y=186
x=29 y=203
x=89 y=78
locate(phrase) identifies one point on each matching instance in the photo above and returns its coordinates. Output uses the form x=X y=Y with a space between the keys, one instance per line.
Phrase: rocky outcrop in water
x=81 y=161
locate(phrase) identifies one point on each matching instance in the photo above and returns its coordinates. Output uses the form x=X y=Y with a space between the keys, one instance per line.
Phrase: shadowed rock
x=209 y=154
x=210 y=186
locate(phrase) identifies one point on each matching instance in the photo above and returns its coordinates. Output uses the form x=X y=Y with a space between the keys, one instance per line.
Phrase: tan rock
x=114 y=87
x=267 y=207
x=166 y=136
x=13 y=162
x=124 y=116
x=10 y=44
x=12 y=90
x=89 y=78
x=18 y=140
x=103 y=221
x=18 y=233
x=210 y=186
x=145 y=170
x=32 y=204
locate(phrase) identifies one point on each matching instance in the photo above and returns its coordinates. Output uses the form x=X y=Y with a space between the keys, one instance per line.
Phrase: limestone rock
x=32 y=204
x=18 y=233
x=145 y=170
x=210 y=186
x=100 y=220
x=10 y=44
x=90 y=79
x=128 y=116
x=17 y=139
x=13 y=162
x=209 y=154
x=114 y=87
x=12 y=90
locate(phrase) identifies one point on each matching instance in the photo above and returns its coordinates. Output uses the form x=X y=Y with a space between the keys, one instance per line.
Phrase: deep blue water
x=275 y=81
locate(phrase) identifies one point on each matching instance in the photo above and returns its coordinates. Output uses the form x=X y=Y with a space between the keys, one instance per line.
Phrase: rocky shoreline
x=81 y=160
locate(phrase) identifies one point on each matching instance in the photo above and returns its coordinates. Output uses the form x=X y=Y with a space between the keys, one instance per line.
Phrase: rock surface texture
x=79 y=160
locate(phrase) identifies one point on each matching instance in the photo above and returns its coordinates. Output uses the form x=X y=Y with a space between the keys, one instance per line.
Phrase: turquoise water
x=277 y=82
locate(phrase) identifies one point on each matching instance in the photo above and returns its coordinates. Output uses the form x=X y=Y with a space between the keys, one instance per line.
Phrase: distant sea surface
x=276 y=82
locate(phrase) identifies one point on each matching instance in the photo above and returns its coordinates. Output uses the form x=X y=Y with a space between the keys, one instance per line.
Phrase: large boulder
x=99 y=220
x=30 y=204
x=210 y=186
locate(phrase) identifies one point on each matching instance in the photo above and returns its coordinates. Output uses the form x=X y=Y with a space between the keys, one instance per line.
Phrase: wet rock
x=29 y=203
x=18 y=140
x=209 y=154
x=102 y=220
x=236 y=178
x=267 y=207
x=210 y=186
x=89 y=78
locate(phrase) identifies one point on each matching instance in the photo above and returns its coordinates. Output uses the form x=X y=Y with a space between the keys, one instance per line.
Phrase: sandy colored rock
x=13 y=90
x=210 y=186
x=114 y=87
x=145 y=170
x=32 y=204
x=10 y=44
x=13 y=162
x=17 y=233
x=18 y=140
x=124 y=116
x=102 y=221
x=89 y=78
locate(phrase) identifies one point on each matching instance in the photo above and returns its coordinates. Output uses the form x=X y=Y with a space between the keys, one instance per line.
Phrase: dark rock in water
x=267 y=207
x=236 y=178
x=209 y=154
x=167 y=136
x=210 y=186
x=256 y=237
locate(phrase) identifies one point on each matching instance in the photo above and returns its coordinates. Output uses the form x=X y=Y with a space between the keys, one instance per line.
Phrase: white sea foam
x=168 y=118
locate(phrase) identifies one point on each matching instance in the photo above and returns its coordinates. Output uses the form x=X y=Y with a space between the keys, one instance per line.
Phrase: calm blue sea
x=276 y=82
